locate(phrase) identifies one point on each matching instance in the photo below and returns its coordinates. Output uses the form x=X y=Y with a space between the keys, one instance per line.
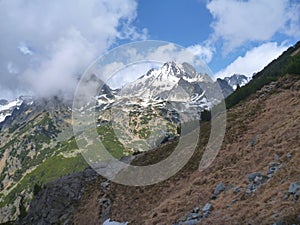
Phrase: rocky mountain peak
x=237 y=80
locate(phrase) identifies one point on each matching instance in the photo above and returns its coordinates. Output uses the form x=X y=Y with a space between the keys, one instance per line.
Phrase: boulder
x=219 y=188
x=294 y=188
x=236 y=190
x=252 y=176
x=207 y=207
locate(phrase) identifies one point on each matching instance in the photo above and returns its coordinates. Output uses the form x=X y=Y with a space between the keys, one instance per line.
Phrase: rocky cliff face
x=55 y=203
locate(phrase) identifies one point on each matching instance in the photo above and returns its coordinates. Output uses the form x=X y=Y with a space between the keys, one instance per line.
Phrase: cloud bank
x=46 y=45
x=254 y=60
x=238 y=22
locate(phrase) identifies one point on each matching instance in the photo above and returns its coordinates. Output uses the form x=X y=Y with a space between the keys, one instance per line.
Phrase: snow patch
x=108 y=222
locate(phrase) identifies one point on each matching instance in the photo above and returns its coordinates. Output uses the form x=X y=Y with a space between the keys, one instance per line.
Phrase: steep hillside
x=254 y=179
x=262 y=137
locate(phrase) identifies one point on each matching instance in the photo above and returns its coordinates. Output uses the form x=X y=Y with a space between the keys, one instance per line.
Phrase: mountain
x=179 y=83
x=7 y=108
x=173 y=82
x=237 y=80
x=225 y=87
x=254 y=178
x=155 y=100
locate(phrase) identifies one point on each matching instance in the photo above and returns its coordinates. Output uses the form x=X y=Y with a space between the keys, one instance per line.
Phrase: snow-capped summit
x=173 y=81
x=7 y=108
x=237 y=80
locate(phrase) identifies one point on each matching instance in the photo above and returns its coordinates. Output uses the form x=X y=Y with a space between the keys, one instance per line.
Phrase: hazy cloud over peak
x=46 y=44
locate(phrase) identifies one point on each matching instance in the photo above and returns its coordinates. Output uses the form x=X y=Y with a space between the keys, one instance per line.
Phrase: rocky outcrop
x=55 y=203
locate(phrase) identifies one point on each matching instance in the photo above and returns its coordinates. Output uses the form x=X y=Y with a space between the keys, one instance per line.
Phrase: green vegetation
x=36 y=189
x=144 y=133
x=294 y=65
x=286 y=63
x=110 y=141
x=49 y=170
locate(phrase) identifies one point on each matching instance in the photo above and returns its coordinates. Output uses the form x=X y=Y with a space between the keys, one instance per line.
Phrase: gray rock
x=294 y=188
x=252 y=176
x=191 y=222
x=236 y=190
x=272 y=170
x=55 y=203
x=286 y=196
x=253 y=141
x=109 y=222
x=248 y=191
x=276 y=157
x=196 y=210
x=281 y=222
x=105 y=184
x=258 y=179
x=192 y=216
x=273 y=164
x=273 y=167
x=289 y=155
x=252 y=187
x=207 y=207
x=219 y=188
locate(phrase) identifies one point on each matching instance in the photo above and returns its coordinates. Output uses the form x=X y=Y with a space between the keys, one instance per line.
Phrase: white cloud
x=11 y=68
x=58 y=74
x=195 y=55
x=237 y=22
x=130 y=73
x=52 y=42
x=25 y=49
x=253 y=61
x=203 y=52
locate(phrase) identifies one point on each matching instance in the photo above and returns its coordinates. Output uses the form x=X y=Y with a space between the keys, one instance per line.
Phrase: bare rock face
x=55 y=203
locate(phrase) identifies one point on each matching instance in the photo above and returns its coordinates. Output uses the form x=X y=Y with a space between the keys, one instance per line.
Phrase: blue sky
x=45 y=45
x=190 y=22
x=185 y=22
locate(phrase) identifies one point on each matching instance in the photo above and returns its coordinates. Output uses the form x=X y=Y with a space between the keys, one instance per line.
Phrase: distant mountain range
x=172 y=82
